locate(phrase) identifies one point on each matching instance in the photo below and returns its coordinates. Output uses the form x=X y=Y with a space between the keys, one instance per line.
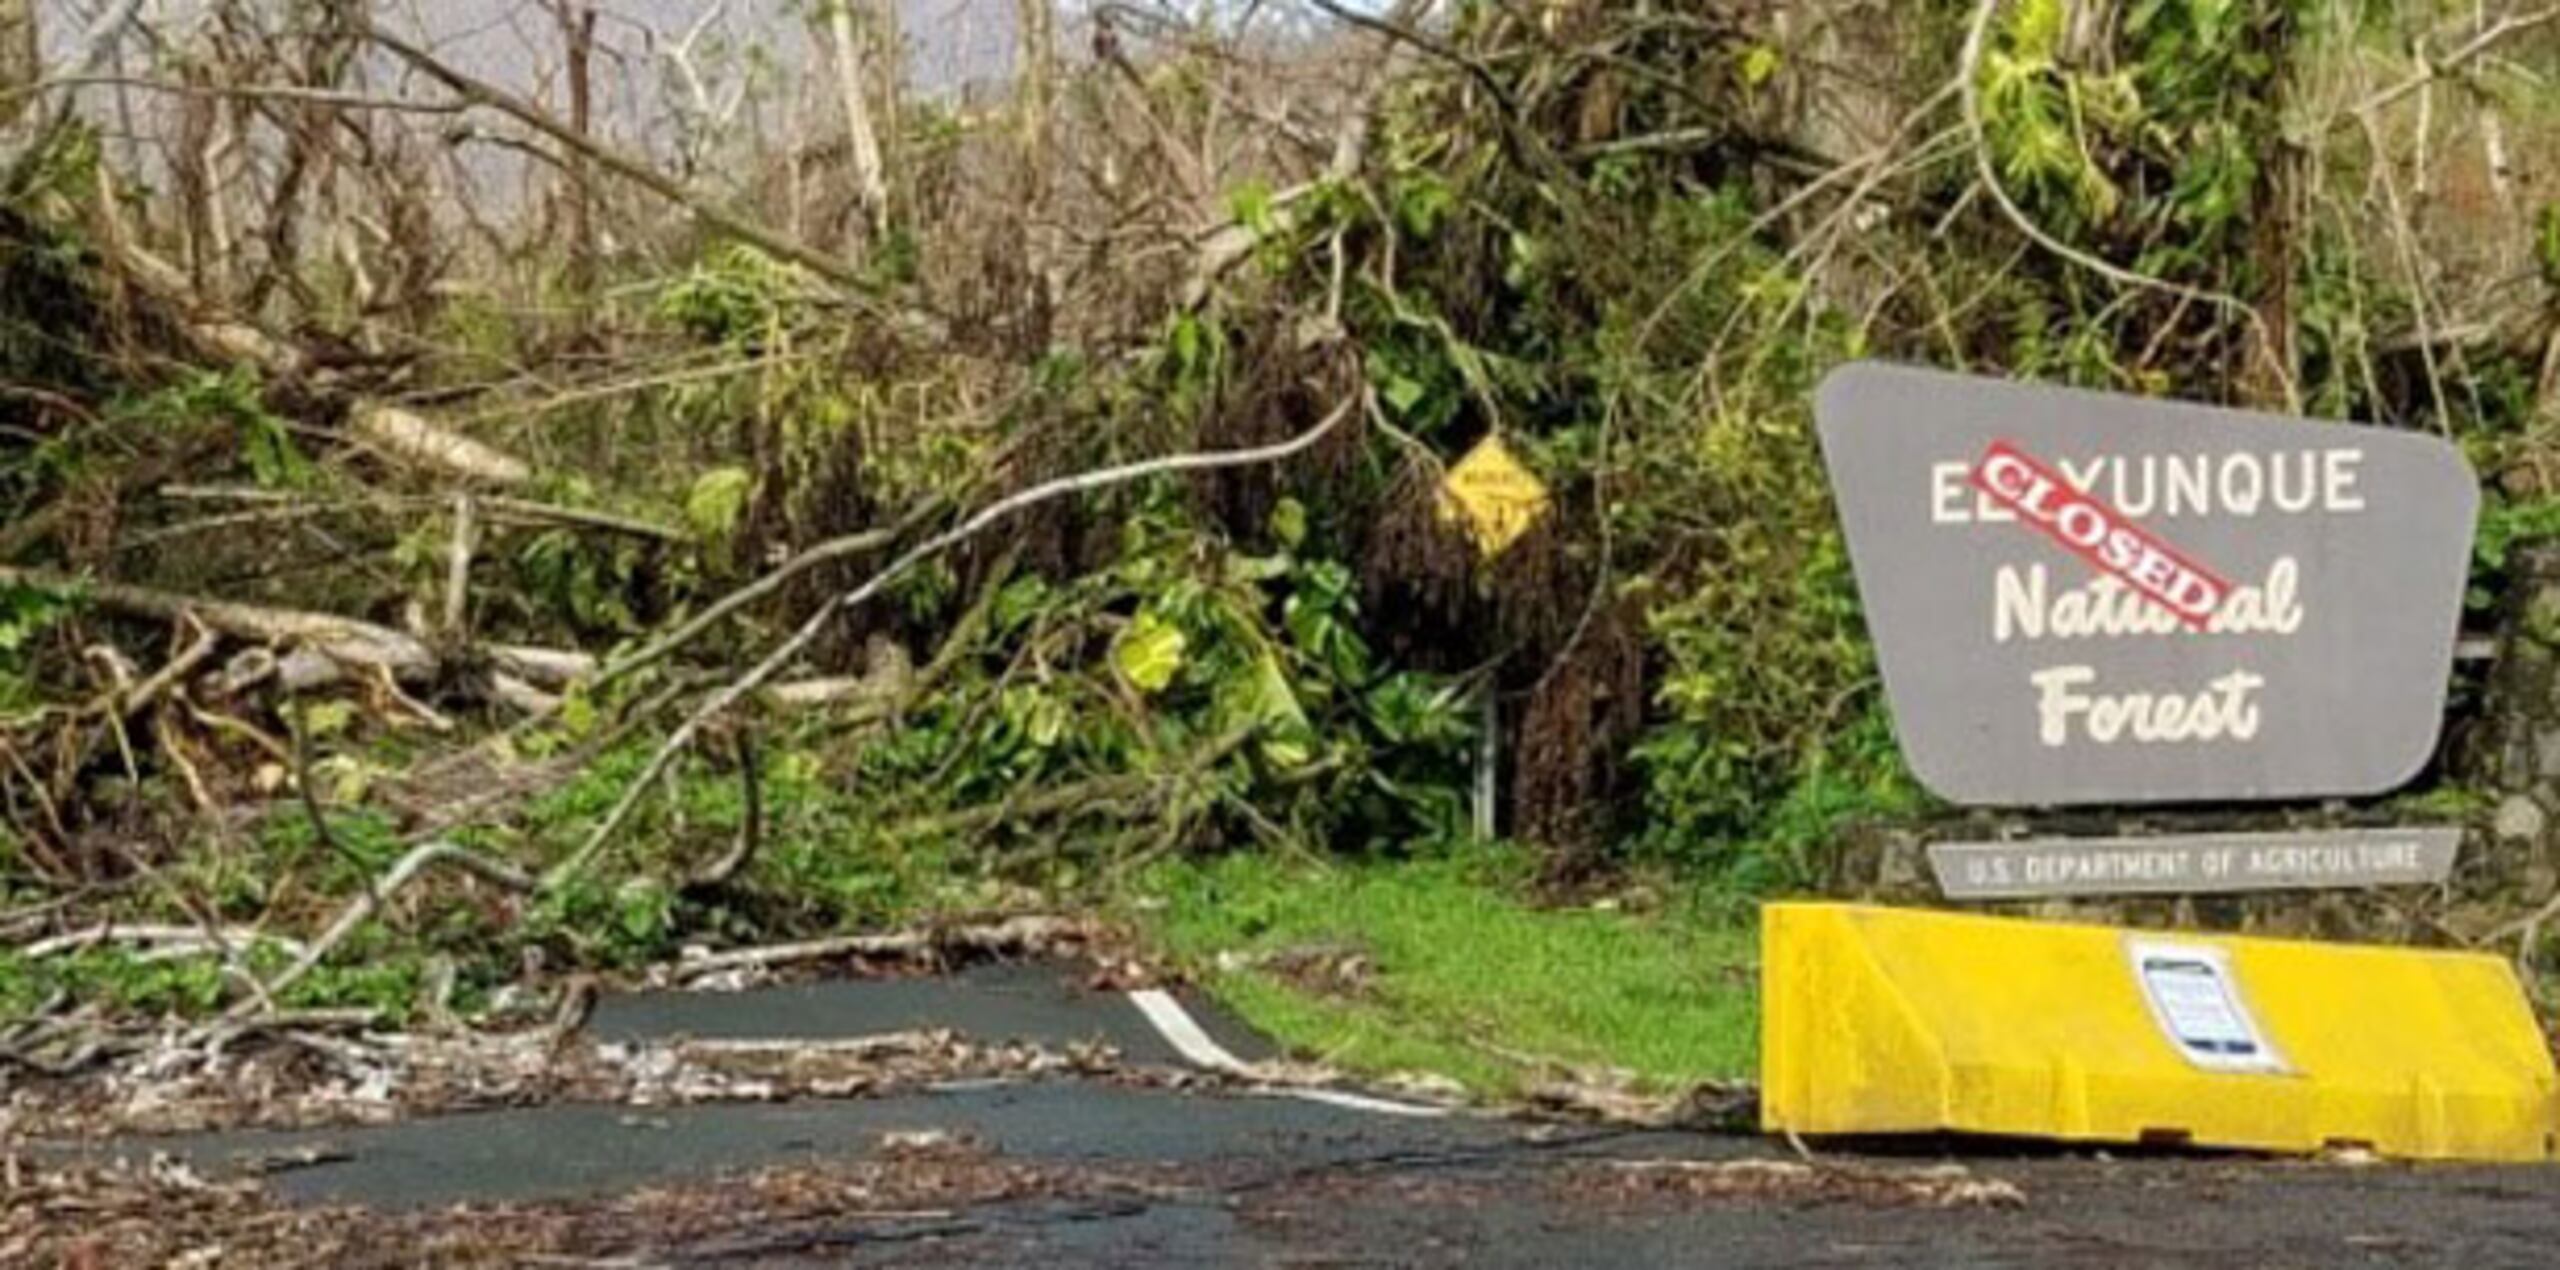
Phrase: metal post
x=1488 y=760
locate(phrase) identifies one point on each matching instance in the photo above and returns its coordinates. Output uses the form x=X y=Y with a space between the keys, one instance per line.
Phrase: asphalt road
x=1077 y=1172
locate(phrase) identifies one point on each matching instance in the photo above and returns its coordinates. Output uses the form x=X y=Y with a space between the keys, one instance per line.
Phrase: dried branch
x=496 y=507
x=408 y=436
x=298 y=94
x=190 y=938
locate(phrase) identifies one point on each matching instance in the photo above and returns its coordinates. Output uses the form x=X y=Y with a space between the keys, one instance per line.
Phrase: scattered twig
x=150 y=934
x=142 y=695
x=495 y=506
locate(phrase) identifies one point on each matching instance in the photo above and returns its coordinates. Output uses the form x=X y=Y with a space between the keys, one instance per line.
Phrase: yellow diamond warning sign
x=1492 y=494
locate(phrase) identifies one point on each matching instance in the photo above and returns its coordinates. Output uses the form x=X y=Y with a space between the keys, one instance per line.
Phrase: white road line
x=1359 y=1102
x=1200 y=1049
x=1183 y=1032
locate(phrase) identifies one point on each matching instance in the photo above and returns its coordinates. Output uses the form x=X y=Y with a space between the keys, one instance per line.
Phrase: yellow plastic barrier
x=1877 y=1020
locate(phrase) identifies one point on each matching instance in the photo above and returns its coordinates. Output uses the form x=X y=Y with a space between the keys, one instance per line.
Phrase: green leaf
x=1289 y=523
x=1250 y=203
x=328 y=718
x=1287 y=751
x=717 y=501
x=348 y=778
x=273 y=457
x=1041 y=719
x=577 y=710
x=1254 y=569
x=1422 y=200
x=1402 y=393
x=1263 y=699
x=1149 y=653
x=1757 y=64
x=1187 y=342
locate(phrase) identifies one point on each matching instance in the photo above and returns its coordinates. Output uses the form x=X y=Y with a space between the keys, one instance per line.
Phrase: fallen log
x=395 y=433
x=407 y=436
x=1023 y=935
x=551 y=668
x=344 y=640
x=321 y=648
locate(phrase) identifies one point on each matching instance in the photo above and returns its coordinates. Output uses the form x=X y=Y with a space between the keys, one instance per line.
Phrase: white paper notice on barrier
x=2197 y=1002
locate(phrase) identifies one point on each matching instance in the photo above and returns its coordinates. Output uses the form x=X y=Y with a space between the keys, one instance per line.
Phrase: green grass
x=1467 y=979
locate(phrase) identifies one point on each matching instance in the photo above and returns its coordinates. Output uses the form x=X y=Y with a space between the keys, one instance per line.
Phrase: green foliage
x=230 y=397
x=27 y=611
x=23 y=986
x=2505 y=525
x=1240 y=680
x=717 y=501
x=588 y=583
x=600 y=922
x=1149 y=653
x=739 y=297
x=119 y=978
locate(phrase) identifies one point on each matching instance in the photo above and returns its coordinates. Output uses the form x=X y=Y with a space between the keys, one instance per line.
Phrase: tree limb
x=342 y=639
x=378 y=893
x=773 y=662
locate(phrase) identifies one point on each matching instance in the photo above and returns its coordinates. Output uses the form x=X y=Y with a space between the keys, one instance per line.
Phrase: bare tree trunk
x=885 y=51
x=2268 y=372
x=1035 y=78
x=578 y=31
x=870 y=174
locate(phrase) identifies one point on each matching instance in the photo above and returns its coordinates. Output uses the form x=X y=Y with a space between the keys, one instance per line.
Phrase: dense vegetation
x=707 y=413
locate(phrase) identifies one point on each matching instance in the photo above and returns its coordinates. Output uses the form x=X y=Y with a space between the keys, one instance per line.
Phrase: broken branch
x=765 y=670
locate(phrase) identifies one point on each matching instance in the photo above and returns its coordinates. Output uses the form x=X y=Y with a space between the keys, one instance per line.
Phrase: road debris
x=1808 y=1181
x=175 y=1081
x=163 y=1213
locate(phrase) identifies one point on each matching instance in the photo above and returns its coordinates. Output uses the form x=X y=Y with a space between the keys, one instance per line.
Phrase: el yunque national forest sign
x=2080 y=597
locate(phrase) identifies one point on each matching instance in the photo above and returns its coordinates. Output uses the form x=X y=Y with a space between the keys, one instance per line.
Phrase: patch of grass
x=1458 y=973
